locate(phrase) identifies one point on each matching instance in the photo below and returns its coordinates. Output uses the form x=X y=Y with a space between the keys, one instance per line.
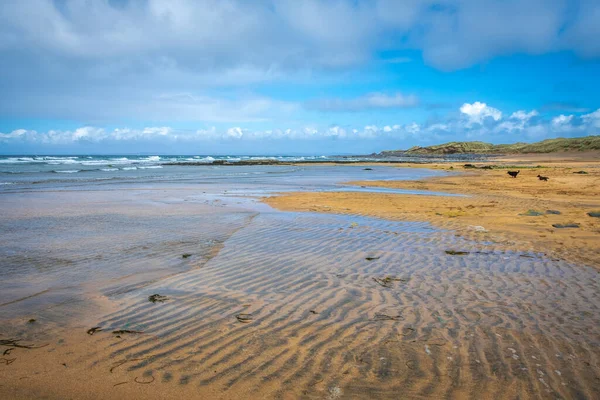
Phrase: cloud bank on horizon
x=294 y=76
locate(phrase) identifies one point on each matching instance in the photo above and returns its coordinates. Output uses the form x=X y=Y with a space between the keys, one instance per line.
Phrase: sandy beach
x=197 y=289
x=517 y=212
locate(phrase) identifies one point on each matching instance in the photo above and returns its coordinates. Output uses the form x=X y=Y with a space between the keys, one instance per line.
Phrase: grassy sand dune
x=587 y=143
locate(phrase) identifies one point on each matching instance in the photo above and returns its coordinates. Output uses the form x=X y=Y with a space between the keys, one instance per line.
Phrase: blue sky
x=293 y=77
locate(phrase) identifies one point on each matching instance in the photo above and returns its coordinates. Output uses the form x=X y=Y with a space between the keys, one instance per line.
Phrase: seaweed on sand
x=144 y=382
x=386 y=317
x=93 y=330
x=15 y=343
x=157 y=298
x=388 y=281
x=371 y=258
x=186 y=255
x=245 y=318
x=595 y=214
x=456 y=253
x=122 y=331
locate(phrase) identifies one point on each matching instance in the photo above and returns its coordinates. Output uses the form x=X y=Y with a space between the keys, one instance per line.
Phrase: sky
x=293 y=77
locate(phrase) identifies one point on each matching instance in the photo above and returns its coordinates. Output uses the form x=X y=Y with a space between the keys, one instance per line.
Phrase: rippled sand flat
x=331 y=306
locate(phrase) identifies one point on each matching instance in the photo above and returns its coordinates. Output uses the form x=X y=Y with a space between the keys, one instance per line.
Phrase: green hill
x=587 y=143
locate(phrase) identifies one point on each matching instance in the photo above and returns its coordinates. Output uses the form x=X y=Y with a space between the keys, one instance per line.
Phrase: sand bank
x=497 y=207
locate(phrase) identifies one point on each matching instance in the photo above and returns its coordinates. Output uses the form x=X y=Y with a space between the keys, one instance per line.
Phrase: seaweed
x=580 y=172
x=367 y=169
x=388 y=280
x=157 y=298
x=15 y=343
x=186 y=255
x=93 y=330
x=594 y=214
x=553 y=212
x=7 y=361
x=122 y=331
x=371 y=258
x=385 y=317
x=314 y=312
x=456 y=253
x=31 y=321
x=244 y=318
x=562 y=226
x=144 y=382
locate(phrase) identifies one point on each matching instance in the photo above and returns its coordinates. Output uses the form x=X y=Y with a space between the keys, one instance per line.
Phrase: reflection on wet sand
x=282 y=305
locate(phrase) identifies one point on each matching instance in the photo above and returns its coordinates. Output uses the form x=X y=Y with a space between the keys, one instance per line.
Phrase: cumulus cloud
x=290 y=33
x=370 y=101
x=478 y=112
x=482 y=122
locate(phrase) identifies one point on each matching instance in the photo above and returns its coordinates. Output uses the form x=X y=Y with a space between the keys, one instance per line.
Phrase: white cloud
x=592 y=119
x=523 y=115
x=478 y=112
x=520 y=125
x=562 y=120
x=369 y=101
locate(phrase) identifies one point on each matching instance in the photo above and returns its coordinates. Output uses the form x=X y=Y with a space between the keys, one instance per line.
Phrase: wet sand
x=340 y=305
x=497 y=207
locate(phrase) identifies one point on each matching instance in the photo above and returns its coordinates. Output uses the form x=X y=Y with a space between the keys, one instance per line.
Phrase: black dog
x=513 y=173
x=542 y=178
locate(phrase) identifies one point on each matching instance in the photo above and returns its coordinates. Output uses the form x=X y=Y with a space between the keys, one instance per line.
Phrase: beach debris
x=532 y=213
x=15 y=343
x=580 y=172
x=186 y=255
x=123 y=331
x=477 y=228
x=471 y=166
x=244 y=318
x=388 y=281
x=386 y=317
x=456 y=253
x=562 y=226
x=595 y=214
x=144 y=382
x=542 y=178
x=157 y=298
x=93 y=330
x=553 y=212
x=526 y=256
x=371 y=258
x=513 y=174
x=120 y=383
x=353 y=225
